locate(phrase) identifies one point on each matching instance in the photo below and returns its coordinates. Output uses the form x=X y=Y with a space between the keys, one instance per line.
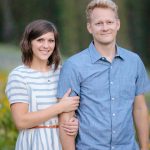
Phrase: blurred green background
x=69 y=17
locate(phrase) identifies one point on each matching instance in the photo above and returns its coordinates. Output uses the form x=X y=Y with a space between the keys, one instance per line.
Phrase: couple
x=110 y=81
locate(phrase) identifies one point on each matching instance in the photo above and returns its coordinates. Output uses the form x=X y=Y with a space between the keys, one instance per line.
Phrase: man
x=111 y=82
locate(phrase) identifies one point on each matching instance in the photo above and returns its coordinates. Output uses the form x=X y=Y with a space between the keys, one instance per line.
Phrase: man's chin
x=106 y=42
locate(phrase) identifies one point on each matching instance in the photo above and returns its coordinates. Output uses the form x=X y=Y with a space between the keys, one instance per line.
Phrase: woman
x=32 y=87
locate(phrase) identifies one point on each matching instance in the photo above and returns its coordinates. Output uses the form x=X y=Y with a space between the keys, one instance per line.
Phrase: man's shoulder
x=128 y=54
x=77 y=62
x=79 y=58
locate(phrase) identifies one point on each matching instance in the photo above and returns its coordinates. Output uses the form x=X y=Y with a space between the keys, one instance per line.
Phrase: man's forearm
x=67 y=141
x=143 y=130
x=141 y=122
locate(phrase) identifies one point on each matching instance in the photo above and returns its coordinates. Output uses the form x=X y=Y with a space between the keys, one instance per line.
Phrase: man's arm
x=69 y=78
x=67 y=141
x=140 y=114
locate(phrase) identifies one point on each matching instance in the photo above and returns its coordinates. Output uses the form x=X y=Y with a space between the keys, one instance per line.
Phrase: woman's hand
x=69 y=103
x=71 y=127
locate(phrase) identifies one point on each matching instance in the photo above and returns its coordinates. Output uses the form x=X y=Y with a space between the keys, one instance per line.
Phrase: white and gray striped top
x=38 y=89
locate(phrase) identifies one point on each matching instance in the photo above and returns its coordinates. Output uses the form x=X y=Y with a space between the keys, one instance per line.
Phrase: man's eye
x=110 y=22
x=99 y=23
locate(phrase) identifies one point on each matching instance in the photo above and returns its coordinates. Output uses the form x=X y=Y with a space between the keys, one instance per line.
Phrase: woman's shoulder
x=19 y=71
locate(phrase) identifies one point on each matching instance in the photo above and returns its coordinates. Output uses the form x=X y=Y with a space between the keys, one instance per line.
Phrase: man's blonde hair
x=101 y=4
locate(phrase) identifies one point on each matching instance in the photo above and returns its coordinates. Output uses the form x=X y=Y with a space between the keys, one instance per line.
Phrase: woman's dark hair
x=34 y=30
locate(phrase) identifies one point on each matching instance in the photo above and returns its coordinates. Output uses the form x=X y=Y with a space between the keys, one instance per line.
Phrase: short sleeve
x=16 y=89
x=142 y=81
x=69 y=78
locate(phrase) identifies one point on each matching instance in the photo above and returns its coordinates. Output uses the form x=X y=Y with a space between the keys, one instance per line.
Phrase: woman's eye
x=39 y=40
x=51 y=41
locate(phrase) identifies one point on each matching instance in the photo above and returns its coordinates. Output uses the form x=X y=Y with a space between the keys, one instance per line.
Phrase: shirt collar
x=120 y=52
x=95 y=55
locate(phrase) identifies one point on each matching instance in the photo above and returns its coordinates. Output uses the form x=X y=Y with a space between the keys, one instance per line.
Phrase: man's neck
x=106 y=50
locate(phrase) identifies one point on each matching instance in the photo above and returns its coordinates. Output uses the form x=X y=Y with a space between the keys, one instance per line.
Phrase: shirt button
x=112 y=147
x=111 y=82
x=114 y=114
x=114 y=131
x=113 y=98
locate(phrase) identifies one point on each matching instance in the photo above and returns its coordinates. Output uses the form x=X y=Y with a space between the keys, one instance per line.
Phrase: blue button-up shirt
x=107 y=91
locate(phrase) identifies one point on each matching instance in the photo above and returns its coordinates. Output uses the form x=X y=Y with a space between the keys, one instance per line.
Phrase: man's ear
x=89 y=27
x=118 y=24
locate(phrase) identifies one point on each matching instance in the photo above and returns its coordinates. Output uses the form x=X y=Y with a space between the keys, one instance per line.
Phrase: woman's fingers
x=71 y=127
x=70 y=130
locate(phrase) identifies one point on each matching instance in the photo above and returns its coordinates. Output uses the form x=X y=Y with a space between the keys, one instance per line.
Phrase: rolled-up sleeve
x=69 y=78
x=16 y=89
x=142 y=81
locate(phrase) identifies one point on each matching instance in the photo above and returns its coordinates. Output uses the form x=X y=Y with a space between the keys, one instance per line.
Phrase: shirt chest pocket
x=127 y=88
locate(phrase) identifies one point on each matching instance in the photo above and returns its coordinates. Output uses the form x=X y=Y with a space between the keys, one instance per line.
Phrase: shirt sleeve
x=16 y=89
x=69 y=78
x=142 y=81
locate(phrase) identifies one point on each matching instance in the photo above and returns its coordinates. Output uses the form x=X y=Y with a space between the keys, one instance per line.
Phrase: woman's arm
x=24 y=119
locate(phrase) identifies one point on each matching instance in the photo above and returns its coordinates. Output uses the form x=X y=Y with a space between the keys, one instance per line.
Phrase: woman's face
x=43 y=47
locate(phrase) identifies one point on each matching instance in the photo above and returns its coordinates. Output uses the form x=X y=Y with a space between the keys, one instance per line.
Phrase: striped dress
x=38 y=89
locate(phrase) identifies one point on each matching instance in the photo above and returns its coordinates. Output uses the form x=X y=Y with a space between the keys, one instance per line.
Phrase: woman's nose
x=46 y=44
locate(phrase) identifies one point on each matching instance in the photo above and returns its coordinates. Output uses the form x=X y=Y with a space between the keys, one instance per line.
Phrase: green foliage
x=8 y=132
x=72 y=25
x=138 y=23
x=69 y=17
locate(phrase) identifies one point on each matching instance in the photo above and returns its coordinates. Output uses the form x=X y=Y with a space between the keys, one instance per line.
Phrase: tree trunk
x=8 y=22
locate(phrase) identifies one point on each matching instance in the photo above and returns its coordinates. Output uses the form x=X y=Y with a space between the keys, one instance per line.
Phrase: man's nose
x=105 y=26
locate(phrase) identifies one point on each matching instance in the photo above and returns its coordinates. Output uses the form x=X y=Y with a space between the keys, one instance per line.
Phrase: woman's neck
x=40 y=66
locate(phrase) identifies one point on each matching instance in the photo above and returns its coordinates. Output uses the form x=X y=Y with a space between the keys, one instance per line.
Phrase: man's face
x=103 y=26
